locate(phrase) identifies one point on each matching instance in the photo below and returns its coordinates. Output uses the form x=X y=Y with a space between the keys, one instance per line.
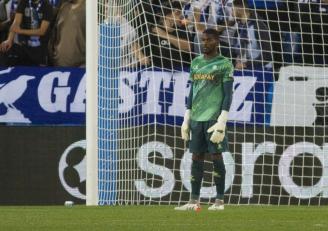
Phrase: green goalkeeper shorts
x=200 y=139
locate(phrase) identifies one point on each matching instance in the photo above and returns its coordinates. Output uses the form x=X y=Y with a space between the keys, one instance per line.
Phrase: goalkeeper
x=205 y=119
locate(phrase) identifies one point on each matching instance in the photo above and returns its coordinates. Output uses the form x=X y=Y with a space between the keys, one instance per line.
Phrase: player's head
x=172 y=12
x=210 y=41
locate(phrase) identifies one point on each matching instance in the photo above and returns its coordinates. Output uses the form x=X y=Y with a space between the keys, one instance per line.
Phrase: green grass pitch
x=112 y=218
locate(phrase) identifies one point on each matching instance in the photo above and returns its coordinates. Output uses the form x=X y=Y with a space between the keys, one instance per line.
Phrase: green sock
x=219 y=177
x=197 y=168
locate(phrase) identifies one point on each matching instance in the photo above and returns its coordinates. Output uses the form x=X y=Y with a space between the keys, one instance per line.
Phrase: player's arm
x=178 y=42
x=189 y=99
x=219 y=127
x=41 y=31
x=227 y=99
x=181 y=43
x=138 y=54
x=7 y=44
x=44 y=26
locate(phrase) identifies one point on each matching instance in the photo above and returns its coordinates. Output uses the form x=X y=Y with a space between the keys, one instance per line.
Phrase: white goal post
x=138 y=62
x=92 y=105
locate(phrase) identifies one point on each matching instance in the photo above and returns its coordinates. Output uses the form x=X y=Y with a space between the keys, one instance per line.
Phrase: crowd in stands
x=42 y=33
x=167 y=33
x=275 y=34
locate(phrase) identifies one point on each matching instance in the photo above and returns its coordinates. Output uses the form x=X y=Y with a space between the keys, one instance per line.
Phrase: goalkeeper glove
x=185 y=129
x=218 y=128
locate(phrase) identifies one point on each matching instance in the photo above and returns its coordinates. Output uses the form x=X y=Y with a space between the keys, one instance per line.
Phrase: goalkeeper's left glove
x=218 y=128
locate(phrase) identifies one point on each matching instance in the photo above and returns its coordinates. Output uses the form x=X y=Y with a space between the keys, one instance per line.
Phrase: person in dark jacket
x=252 y=44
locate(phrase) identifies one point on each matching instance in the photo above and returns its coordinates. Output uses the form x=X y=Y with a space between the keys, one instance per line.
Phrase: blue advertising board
x=36 y=96
x=56 y=96
x=155 y=96
x=265 y=4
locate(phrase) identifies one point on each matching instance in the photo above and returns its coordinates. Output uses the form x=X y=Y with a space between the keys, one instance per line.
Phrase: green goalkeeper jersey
x=208 y=76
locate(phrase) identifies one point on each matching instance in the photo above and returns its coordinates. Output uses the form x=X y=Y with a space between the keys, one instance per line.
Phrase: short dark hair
x=213 y=32
x=169 y=7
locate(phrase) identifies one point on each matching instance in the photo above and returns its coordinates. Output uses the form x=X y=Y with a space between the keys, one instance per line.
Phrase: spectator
x=170 y=43
x=56 y=4
x=252 y=45
x=283 y=37
x=132 y=54
x=67 y=43
x=157 y=5
x=4 y=18
x=13 y=7
x=219 y=17
x=131 y=51
x=160 y=7
x=177 y=13
x=31 y=24
x=226 y=24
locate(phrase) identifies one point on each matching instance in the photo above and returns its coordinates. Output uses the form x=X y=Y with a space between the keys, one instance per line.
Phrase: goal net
x=277 y=121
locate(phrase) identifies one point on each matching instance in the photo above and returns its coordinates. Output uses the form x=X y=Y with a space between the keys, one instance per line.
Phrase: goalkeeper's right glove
x=185 y=128
x=218 y=128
